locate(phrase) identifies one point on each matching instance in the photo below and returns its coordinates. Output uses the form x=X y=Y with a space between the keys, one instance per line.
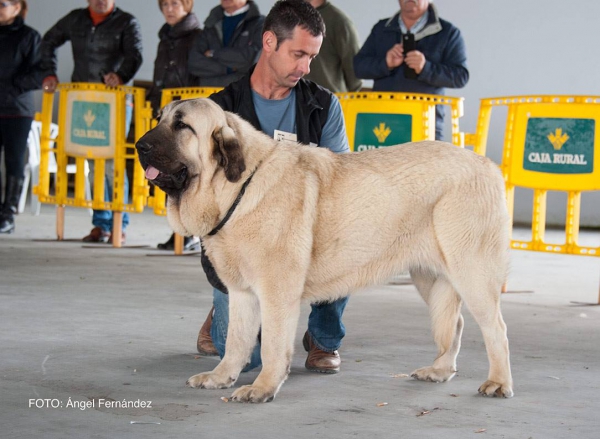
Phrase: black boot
x=189 y=243
x=14 y=186
x=167 y=245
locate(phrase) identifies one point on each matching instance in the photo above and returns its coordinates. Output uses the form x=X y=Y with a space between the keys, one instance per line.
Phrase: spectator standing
x=176 y=38
x=170 y=68
x=229 y=44
x=107 y=47
x=333 y=67
x=19 y=75
x=438 y=62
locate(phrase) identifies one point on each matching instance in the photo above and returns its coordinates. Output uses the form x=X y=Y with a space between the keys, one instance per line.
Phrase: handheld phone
x=408 y=43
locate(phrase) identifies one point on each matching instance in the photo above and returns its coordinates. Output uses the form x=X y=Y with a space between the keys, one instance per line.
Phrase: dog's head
x=192 y=137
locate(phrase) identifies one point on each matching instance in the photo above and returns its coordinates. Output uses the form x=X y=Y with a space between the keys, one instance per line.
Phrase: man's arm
x=452 y=71
x=201 y=65
x=242 y=58
x=132 y=51
x=334 y=136
x=367 y=63
x=224 y=60
x=56 y=36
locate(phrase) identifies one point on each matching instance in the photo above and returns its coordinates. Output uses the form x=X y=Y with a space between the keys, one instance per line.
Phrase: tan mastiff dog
x=300 y=223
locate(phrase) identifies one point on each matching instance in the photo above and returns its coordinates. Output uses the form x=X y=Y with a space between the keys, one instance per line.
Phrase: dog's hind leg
x=446 y=322
x=485 y=308
x=244 y=324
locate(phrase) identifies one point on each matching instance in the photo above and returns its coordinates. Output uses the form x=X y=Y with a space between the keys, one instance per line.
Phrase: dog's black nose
x=143 y=147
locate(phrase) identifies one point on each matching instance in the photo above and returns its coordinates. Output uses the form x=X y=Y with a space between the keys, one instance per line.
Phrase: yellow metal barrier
x=375 y=120
x=550 y=143
x=171 y=94
x=91 y=122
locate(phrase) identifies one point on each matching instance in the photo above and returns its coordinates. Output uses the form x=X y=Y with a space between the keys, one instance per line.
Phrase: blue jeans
x=104 y=218
x=324 y=326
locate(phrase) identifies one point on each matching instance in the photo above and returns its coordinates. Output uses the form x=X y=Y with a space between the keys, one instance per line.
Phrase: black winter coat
x=114 y=45
x=19 y=74
x=228 y=63
x=170 y=66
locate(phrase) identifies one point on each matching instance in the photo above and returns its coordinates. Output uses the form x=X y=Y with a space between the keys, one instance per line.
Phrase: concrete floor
x=87 y=325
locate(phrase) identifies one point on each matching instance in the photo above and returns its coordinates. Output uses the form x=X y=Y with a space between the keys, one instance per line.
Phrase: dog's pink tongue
x=152 y=172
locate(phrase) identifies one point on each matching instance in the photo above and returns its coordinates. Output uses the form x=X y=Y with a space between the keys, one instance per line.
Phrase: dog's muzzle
x=170 y=181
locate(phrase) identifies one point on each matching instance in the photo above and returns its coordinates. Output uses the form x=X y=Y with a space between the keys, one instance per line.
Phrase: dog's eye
x=180 y=125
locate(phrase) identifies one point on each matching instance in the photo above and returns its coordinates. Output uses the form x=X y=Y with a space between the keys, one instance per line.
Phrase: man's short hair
x=285 y=15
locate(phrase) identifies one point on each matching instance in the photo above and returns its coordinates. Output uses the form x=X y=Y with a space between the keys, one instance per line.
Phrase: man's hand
x=49 y=84
x=112 y=79
x=415 y=60
x=395 y=56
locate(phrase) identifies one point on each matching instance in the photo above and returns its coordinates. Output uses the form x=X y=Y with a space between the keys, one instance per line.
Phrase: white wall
x=513 y=47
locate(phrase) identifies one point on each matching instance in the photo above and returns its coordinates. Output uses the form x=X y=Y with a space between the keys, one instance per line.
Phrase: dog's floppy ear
x=228 y=153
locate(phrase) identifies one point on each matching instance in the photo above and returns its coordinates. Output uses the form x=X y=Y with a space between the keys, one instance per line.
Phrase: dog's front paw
x=210 y=380
x=491 y=388
x=253 y=393
x=434 y=375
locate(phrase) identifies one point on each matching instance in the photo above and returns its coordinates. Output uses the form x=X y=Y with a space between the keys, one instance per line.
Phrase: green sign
x=559 y=146
x=90 y=123
x=374 y=130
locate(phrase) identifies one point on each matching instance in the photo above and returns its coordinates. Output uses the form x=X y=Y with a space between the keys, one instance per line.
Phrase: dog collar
x=233 y=206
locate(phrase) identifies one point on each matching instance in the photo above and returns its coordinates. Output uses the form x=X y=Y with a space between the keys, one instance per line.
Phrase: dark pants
x=13 y=140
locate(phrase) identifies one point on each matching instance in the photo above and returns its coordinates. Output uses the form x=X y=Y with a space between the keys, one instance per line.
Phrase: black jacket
x=170 y=65
x=19 y=74
x=228 y=63
x=312 y=111
x=312 y=106
x=114 y=45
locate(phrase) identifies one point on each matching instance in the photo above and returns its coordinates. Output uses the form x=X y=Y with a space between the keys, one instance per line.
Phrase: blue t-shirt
x=280 y=114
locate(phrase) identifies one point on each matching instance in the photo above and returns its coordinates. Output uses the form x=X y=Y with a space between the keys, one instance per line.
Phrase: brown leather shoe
x=204 y=344
x=97 y=235
x=318 y=360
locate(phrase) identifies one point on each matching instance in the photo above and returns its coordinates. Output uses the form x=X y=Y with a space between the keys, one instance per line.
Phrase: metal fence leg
x=117 y=232
x=60 y=222
x=178 y=244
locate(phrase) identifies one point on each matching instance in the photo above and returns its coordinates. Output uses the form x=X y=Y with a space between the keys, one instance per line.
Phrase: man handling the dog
x=276 y=99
